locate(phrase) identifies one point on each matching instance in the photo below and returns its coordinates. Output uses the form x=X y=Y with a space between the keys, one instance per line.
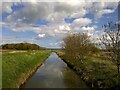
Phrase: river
x=54 y=73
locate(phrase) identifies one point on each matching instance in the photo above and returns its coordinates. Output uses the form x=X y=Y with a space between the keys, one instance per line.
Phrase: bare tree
x=110 y=42
x=77 y=46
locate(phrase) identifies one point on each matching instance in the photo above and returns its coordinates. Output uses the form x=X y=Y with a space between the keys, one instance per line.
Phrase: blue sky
x=47 y=23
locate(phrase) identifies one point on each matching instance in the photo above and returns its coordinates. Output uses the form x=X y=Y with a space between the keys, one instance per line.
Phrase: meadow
x=96 y=71
x=18 y=66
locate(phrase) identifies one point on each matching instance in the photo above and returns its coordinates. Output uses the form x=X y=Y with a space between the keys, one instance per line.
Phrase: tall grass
x=94 y=70
x=14 y=65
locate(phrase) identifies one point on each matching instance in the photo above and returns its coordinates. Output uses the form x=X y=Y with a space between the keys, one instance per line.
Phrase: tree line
x=21 y=46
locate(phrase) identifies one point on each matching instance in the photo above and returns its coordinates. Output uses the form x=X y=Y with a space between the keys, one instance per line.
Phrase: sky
x=47 y=23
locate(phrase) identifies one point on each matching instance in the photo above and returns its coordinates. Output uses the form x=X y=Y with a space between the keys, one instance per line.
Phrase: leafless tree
x=77 y=46
x=110 y=42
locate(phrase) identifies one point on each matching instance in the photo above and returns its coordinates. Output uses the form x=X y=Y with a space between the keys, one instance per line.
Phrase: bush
x=77 y=46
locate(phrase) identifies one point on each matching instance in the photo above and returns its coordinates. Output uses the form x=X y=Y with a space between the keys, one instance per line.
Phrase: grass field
x=17 y=65
x=0 y=71
x=94 y=70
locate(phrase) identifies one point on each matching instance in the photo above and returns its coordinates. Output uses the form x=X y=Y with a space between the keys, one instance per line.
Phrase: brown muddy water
x=54 y=73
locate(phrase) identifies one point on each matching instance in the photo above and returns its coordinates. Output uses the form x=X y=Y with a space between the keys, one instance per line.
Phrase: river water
x=54 y=73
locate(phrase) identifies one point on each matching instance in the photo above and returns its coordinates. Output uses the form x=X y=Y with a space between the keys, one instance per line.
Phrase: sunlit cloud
x=46 y=20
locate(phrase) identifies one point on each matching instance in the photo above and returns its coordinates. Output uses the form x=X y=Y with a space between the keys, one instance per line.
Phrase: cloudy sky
x=47 y=23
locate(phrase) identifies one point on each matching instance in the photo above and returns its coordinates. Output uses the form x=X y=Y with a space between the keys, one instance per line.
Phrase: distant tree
x=22 y=46
x=110 y=42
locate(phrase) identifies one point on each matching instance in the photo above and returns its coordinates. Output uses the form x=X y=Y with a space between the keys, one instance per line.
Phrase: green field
x=0 y=71
x=95 y=71
x=17 y=66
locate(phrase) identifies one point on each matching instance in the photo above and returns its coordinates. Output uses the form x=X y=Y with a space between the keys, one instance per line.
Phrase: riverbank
x=95 y=71
x=18 y=67
x=54 y=73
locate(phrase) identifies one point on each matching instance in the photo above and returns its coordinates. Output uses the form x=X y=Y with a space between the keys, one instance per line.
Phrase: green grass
x=16 y=65
x=103 y=73
x=0 y=71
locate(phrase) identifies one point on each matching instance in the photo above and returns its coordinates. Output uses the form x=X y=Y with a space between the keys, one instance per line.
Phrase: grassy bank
x=94 y=70
x=0 y=71
x=17 y=66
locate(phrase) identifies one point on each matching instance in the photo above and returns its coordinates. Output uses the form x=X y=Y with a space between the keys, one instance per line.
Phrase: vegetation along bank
x=96 y=63
x=19 y=66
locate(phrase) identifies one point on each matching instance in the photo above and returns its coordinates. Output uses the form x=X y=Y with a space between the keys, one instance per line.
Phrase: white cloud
x=79 y=23
x=98 y=9
x=31 y=12
x=6 y=7
x=102 y=12
x=14 y=39
x=88 y=28
x=112 y=5
x=41 y=35
x=55 y=44
x=76 y=2
x=82 y=21
x=79 y=14
x=64 y=27
x=55 y=13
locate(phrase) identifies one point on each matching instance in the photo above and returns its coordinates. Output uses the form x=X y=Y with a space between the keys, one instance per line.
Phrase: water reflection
x=54 y=73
